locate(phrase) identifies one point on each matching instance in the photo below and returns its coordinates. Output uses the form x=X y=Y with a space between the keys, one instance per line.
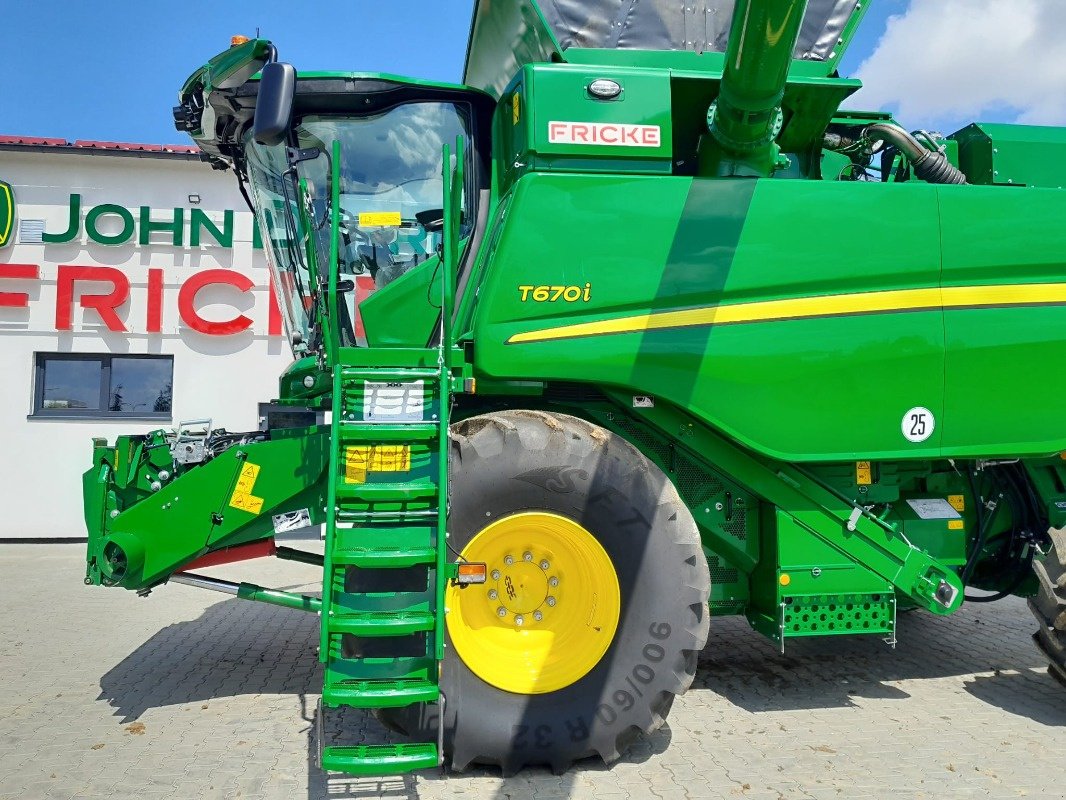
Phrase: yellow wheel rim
x=548 y=610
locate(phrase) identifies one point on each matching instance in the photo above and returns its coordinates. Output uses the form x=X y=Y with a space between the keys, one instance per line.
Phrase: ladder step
x=387 y=536
x=381 y=623
x=387 y=693
x=384 y=558
x=389 y=374
x=410 y=490
x=374 y=432
x=364 y=516
x=380 y=759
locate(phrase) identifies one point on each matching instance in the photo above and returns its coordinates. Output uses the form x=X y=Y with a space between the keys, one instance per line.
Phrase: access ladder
x=382 y=592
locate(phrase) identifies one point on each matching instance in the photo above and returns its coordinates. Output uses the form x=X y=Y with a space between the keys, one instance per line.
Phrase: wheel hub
x=548 y=611
x=522 y=587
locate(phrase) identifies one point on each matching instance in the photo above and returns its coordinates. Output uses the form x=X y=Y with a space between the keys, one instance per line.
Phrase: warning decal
x=361 y=459
x=242 y=497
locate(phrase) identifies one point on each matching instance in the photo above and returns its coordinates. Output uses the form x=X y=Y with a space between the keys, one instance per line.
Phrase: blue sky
x=111 y=69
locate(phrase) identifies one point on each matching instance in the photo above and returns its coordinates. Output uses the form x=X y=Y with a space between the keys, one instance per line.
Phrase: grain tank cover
x=672 y=25
x=505 y=36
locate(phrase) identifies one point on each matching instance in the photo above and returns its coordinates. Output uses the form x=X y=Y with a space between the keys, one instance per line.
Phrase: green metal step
x=389 y=374
x=372 y=433
x=385 y=693
x=386 y=536
x=380 y=759
x=389 y=357
x=364 y=516
x=380 y=623
x=398 y=491
x=384 y=558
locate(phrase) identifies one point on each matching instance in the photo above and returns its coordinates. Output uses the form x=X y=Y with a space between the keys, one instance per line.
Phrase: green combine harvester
x=635 y=328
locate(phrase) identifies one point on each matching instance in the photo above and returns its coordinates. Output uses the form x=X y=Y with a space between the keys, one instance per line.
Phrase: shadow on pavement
x=831 y=672
x=240 y=648
x=1033 y=695
x=530 y=782
x=235 y=647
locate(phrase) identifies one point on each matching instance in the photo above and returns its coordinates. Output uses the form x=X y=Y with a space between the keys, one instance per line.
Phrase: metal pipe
x=929 y=165
x=203 y=582
x=292 y=554
x=903 y=141
x=747 y=115
x=249 y=591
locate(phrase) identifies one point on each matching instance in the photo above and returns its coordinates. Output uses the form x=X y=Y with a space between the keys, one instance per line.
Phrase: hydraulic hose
x=1024 y=571
x=930 y=166
x=983 y=526
x=1027 y=518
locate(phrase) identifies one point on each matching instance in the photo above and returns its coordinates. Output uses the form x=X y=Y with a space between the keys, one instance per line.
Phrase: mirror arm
x=296 y=154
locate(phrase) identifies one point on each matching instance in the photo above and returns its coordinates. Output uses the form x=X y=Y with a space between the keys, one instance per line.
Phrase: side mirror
x=273 y=107
x=431 y=220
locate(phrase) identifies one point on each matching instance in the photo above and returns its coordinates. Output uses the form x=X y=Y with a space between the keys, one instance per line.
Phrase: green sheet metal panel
x=805 y=587
x=1012 y=155
x=1005 y=237
x=568 y=128
x=662 y=257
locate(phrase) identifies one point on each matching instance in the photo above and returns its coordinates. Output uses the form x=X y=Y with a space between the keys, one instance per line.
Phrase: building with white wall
x=133 y=295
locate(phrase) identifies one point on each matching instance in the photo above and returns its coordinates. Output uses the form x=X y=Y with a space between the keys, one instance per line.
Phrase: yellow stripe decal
x=834 y=305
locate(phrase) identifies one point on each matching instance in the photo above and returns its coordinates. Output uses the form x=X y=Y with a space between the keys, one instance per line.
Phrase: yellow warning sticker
x=958 y=502
x=247 y=502
x=516 y=104
x=242 y=497
x=955 y=524
x=380 y=219
x=361 y=459
x=864 y=474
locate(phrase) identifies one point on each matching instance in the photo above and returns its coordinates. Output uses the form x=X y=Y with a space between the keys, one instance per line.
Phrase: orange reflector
x=236 y=40
x=785 y=579
x=471 y=572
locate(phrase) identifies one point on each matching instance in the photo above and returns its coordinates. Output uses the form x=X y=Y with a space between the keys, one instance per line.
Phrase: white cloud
x=943 y=63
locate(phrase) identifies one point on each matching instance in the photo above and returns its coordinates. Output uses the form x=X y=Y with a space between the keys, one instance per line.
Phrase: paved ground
x=190 y=694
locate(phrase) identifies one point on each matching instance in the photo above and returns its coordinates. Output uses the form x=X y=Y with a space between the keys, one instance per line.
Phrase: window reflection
x=71 y=384
x=103 y=385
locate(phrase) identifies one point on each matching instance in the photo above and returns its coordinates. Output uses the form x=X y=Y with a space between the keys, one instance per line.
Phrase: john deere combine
x=635 y=328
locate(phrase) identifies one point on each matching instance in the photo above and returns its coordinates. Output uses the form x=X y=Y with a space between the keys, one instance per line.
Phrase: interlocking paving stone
x=188 y=693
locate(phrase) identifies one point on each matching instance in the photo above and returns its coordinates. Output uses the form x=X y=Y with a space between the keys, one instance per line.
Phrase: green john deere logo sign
x=7 y=212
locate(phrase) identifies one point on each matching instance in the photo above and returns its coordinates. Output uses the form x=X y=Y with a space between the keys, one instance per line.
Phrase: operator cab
x=391 y=134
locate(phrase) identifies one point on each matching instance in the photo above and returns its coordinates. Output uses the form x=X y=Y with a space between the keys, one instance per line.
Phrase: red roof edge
x=33 y=140
x=91 y=144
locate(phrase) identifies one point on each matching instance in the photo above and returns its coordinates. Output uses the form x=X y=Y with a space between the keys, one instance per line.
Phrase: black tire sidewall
x=529 y=461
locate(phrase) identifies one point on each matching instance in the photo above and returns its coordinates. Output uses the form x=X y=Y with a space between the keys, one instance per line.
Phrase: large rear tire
x=564 y=495
x=1049 y=605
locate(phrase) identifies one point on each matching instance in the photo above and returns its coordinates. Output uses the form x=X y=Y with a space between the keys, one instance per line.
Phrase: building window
x=92 y=385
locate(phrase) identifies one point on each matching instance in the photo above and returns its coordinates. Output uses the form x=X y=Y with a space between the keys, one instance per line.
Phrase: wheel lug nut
x=551 y=601
x=527 y=556
x=501 y=611
x=553 y=581
x=519 y=620
x=495 y=574
x=544 y=565
x=508 y=560
x=493 y=594
x=538 y=616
